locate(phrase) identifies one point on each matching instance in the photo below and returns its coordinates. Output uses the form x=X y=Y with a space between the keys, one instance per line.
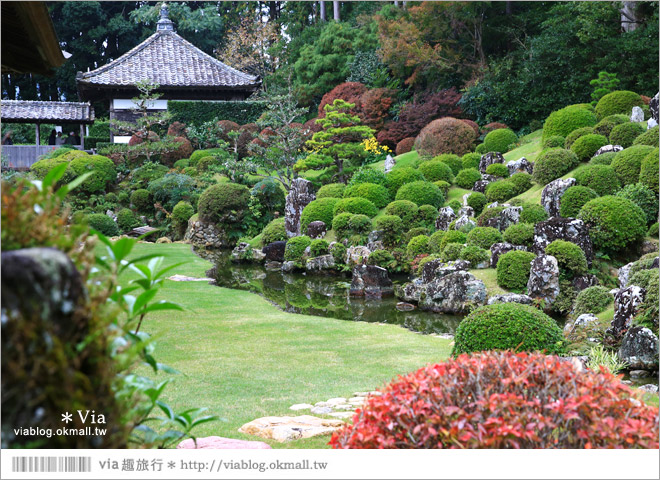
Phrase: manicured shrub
x=603 y=159
x=533 y=213
x=552 y=164
x=554 y=141
x=453 y=161
x=331 y=190
x=126 y=220
x=497 y=169
x=500 y=191
x=426 y=216
x=500 y=140
x=628 y=163
x=318 y=247
x=474 y=254
x=513 y=269
x=574 y=135
x=614 y=222
x=414 y=232
x=124 y=198
x=223 y=202
x=653 y=230
x=585 y=146
x=484 y=237
x=564 y=121
x=600 y=178
x=359 y=224
x=356 y=205
x=295 y=248
x=435 y=241
x=180 y=215
x=435 y=170
x=142 y=200
x=404 y=209
x=625 y=134
x=574 y=199
x=650 y=137
x=501 y=413
x=605 y=126
x=648 y=173
x=455 y=205
x=466 y=178
x=181 y=164
x=480 y=149
x=190 y=171
x=102 y=169
x=620 y=101
x=477 y=201
x=392 y=227
x=376 y=194
x=643 y=197
x=445 y=135
x=197 y=155
x=421 y=193
x=417 y=246
x=507 y=326
x=570 y=257
x=443 y=186
x=470 y=160
x=338 y=252
x=451 y=252
x=592 y=300
x=405 y=145
x=487 y=214
x=206 y=163
x=321 y=209
x=174 y=187
x=381 y=258
x=368 y=175
x=521 y=181
x=400 y=176
x=102 y=223
x=451 y=236
x=473 y=124
x=275 y=231
x=519 y=234
x=340 y=225
x=649 y=309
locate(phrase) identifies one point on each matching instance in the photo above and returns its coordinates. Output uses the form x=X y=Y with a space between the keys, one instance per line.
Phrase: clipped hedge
x=644 y=198
x=377 y=194
x=368 y=175
x=400 y=176
x=355 y=205
x=600 y=178
x=477 y=201
x=552 y=164
x=435 y=170
x=321 y=209
x=564 y=121
x=126 y=220
x=650 y=137
x=221 y=201
x=573 y=199
x=554 y=141
x=649 y=171
x=619 y=101
x=295 y=248
x=498 y=170
x=451 y=236
x=404 y=209
x=391 y=226
x=513 y=269
x=533 y=213
x=627 y=163
x=586 y=146
x=467 y=177
x=473 y=254
x=500 y=140
x=570 y=257
x=103 y=224
x=470 y=160
x=454 y=161
x=626 y=134
x=331 y=190
x=574 y=135
x=592 y=300
x=483 y=237
x=501 y=191
x=445 y=135
x=198 y=112
x=603 y=159
x=605 y=126
x=519 y=234
x=421 y=193
x=102 y=168
x=614 y=222
x=418 y=245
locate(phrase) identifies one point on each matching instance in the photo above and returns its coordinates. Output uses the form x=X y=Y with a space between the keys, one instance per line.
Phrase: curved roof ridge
x=123 y=57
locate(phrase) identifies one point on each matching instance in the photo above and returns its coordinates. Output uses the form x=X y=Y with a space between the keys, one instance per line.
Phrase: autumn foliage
x=374 y=107
x=445 y=135
x=347 y=91
x=405 y=145
x=503 y=400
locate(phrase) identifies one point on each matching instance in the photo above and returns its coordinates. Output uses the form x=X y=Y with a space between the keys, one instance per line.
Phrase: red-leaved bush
x=184 y=150
x=405 y=145
x=503 y=400
x=312 y=126
x=248 y=132
x=348 y=91
x=445 y=135
x=227 y=126
x=177 y=129
x=473 y=124
x=489 y=127
x=374 y=107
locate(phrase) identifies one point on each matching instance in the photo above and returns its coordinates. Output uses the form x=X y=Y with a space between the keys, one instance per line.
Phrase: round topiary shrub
x=142 y=200
x=477 y=201
x=318 y=247
x=500 y=140
x=644 y=198
x=126 y=220
x=519 y=234
x=400 y=176
x=603 y=159
x=223 y=202
x=500 y=191
x=181 y=213
x=421 y=193
x=391 y=226
x=355 y=205
x=585 y=146
x=426 y=215
x=498 y=170
x=443 y=186
x=487 y=214
x=592 y=300
x=381 y=258
x=275 y=231
x=628 y=163
x=620 y=101
x=466 y=178
x=435 y=170
x=454 y=204
x=404 y=209
x=453 y=161
x=205 y=163
x=533 y=213
x=522 y=181
x=405 y=145
x=295 y=248
x=653 y=230
x=648 y=173
x=503 y=413
x=102 y=223
x=331 y=190
x=552 y=164
x=613 y=222
x=574 y=135
x=445 y=135
x=451 y=236
x=570 y=257
x=417 y=246
x=605 y=126
x=413 y=232
x=474 y=254
x=625 y=134
x=650 y=137
x=470 y=160
x=338 y=252
x=480 y=149
x=600 y=178
x=340 y=225
x=564 y=121
x=513 y=269
x=376 y=194
x=124 y=198
x=484 y=237
x=554 y=141
x=359 y=224
x=190 y=171
x=369 y=175
x=102 y=169
x=451 y=252
x=181 y=164
x=574 y=199
x=435 y=241
x=507 y=326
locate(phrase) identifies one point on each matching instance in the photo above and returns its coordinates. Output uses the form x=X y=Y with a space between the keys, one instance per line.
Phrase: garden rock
x=624 y=274
x=480 y=186
x=489 y=159
x=300 y=406
x=490 y=178
x=204 y=234
x=321 y=410
x=144 y=230
x=608 y=149
x=626 y=305
x=320 y=263
x=637 y=374
x=457 y=292
x=582 y=322
x=389 y=163
x=653 y=107
x=375 y=240
x=648 y=246
x=111 y=214
x=637 y=115
x=509 y=216
x=467 y=211
x=370 y=281
x=183 y=278
x=584 y=281
x=465 y=199
x=552 y=193
x=221 y=443
x=521 y=165
x=649 y=388
x=288 y=267
x=639 y=348
x=163 y=240
x=405 y=307
x=316 y=230
x=651 y=123
x=286 y=429
x=568 y=229
x=357 y=255
x=463 y=221
x=499 y=249
x=543 y=281
x=275 y=251
x=445 y=216
x=301 y=193
x=510 y=298
x=437 y=268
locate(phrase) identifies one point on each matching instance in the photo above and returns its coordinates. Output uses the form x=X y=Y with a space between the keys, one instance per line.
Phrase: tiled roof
x=169 y=60
x=18 y=110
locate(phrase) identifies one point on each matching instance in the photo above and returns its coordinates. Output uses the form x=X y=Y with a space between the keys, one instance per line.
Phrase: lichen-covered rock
x=301 y=193
x=552 y=193
x=457 y=292
x=624 y=274
x=275 y=251
x=437 y=268
x=370 y=281
x=510 y=298
x=375 y=240
x=241 y=252
x=543 y=281
x=499 y=249
x=357 y=255
x=520 y=165
x=320 y=263
x=489 y=159
x=608 y=149
x=639 y=348
x=568 y=229
x=446 y=215
x=288 y=267
x=653 y=107
x=626 y=305
x=316 y=230
x=584 y=321
x=480 y=186
x=467 y=211
x=584 y=281
x=509 y=216
x=206 y=235
x=637 y=115
x=464 y=221
x=389 y=163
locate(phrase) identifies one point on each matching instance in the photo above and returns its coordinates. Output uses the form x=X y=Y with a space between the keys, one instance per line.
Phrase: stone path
x=222 y=443
x=285 y=429
x=183 y=278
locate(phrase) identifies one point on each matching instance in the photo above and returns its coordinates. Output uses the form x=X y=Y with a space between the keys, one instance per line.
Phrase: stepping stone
x=286 y=429
x=321 y=410
x=322 y=404
x=342 y=414
x=300 y=406
x=221 y=443
x=183 y=278
x=359 y=400
x=336 y=401
x=344 y=407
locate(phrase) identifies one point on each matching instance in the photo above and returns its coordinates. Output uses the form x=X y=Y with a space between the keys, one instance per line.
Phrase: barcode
x=51 y=464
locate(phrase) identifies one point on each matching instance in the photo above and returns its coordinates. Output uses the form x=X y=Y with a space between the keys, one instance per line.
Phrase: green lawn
x=530 y=147
x=244 y=358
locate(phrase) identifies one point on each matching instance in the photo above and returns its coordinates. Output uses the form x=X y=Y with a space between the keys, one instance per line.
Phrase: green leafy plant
x=604 y=84
x=599 y=357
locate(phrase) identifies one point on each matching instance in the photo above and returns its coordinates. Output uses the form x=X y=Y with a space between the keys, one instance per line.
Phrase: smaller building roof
x=28 y=111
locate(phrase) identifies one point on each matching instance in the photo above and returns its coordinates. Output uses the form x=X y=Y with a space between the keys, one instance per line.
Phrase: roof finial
x=164 y=24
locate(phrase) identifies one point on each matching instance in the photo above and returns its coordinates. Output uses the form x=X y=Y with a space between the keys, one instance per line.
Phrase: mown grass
x=244 y=358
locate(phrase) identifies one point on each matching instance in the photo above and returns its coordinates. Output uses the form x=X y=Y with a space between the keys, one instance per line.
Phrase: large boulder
x=552 y=193
x=626 y=305
x=543 y=283
x=202 y=234
x=316 y=229
x=480 y=186
x=608 y=149
x=370 y=281
x=521 y=165
x=446 y=215
x=320 y=263
x=457 y=292
x=653 y=107
x=437 y=268
x=510 y=298
x=275 y=251
x=637 y=115
x=584 y=281
x=568 y=229
x=375 y=240
x=489 y=159
x=243 y=252
x=464 y=221
x=357 y=255
x=639 y=348
x=507 y=217
x=301 y=193
x=466 y=210
x=582 y=323
x=390 y=162
x=499 y=249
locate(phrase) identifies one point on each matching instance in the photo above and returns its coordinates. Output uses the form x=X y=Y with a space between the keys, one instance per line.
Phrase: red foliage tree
x=374 y=107
x=472 y=124
x=177 y=129
x=348 y=91
x=312 y=126
x=184 y=150
x=503 y=400
x=248 y=132
x=405 y=145
x=227 y=126
x=445 y=135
